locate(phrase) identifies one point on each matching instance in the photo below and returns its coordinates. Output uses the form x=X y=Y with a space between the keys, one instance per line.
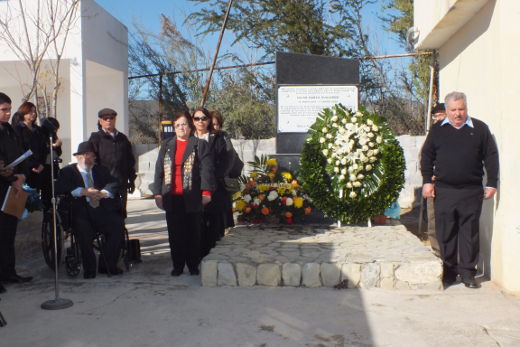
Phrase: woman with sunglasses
x=183 y=184
x=214 y=213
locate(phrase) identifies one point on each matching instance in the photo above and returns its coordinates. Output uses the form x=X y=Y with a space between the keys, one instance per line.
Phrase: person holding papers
x=10 y=149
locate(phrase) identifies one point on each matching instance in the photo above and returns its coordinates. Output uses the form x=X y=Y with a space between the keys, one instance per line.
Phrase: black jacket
x=202 y=171
x=35 y=141
x=70 y=178
x=115 y=153
x=11 y=147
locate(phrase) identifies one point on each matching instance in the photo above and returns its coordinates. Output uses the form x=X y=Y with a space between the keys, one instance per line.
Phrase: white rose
x=349 y=185
x=360 y=176
x=371 y=144
x=337 y=163
x=344 y=171
x=379 y=139
x=352 y=177
x=247 y=198
x=370 y=153
x=375 y=128
x=368 y=167
x=341 y=130
x=329 y=160
x=272 y=195
x=369 y=122
x=325 y=152
x=370 y=135
x=325 y=129
x=365 y=148
x=355 y=166
x=336 y=169
x=376 y=151
x=289 y=202
x=363 y=141
x=344 y=120
x=344 y=161
x=357 y=184
x=372 y=159
x=353 y=119
x=341 y=177
x=351 y=169
x=322 y=139
x=358 y=114
x=352 y=194
x=334 y=118
x=257 y=201
x=329 y=145
x=364 y=159
x=329 y=136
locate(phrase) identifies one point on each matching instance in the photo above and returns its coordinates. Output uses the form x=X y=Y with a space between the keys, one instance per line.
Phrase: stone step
x=387 y=257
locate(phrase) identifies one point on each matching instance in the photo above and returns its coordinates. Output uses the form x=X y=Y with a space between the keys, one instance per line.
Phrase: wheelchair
x=65 y=236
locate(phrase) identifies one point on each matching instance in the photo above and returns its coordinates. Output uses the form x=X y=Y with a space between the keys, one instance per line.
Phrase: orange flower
x=247 y=210
x=308 y=211
x=250 y=184
x=273 y=170
x=288 y=214
x=265 y=211
x=261 y=196
x=294 y=183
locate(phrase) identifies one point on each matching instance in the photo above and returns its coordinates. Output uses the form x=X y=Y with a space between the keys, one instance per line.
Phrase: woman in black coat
x=183 y=184
x=24 y=124
x=214 y=212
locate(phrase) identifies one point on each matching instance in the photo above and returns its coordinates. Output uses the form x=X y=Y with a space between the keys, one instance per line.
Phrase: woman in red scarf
x=184 y=180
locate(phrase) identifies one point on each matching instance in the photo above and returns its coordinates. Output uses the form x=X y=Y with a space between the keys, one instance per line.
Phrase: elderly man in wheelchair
x=95 y=209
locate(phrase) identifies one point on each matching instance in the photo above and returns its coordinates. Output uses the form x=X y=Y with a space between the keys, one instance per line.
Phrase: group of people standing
x=189 y=184
x=97 y=184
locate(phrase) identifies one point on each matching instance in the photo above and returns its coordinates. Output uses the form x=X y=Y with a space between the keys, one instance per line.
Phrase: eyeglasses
x=198 y=119
x=108 y=118
x=178 y=125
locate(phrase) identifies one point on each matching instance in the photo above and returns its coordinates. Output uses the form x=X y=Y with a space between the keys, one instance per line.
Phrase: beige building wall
x=482 y=59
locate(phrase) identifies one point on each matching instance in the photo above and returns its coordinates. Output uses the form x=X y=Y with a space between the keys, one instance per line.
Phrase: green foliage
x=299 y=26
x=326 y=177
x=246 y=104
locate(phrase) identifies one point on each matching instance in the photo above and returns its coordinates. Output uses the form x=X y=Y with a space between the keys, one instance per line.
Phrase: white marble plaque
x=298 y=106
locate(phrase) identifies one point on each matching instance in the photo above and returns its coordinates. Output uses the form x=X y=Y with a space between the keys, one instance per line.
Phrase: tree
x=398 y=16
x=299 y=26
x=36 y=31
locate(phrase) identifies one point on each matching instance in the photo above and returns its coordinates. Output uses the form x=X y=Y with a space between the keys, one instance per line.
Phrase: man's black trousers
x=457 y=214
x=8 y=225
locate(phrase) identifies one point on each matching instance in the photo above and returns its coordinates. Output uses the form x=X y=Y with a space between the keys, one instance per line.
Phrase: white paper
x=20 y=159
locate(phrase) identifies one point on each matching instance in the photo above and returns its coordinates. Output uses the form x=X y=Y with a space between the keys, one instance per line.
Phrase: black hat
x=439 y=108
x=106 y=112
x=84 y=147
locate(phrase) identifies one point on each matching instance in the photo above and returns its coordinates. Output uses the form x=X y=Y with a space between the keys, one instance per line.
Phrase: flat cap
x=106 y=112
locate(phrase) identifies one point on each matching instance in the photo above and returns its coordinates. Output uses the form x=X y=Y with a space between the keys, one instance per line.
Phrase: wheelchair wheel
x=73 y=260
x=48 y=240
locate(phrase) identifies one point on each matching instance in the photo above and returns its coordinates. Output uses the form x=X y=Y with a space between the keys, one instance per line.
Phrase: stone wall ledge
x=386 y=257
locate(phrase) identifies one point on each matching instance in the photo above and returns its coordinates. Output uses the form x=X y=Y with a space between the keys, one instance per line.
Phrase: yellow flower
x=281 y=190
x=240 y=204
x=298 y=202
x=271 y=175
x=262 y=188
x=271 y=162
x=237 y=195
x=287 y=175
x=253 y=175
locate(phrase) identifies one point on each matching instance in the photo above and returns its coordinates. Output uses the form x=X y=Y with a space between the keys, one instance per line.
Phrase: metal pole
x=206 y=88
x=57 y=303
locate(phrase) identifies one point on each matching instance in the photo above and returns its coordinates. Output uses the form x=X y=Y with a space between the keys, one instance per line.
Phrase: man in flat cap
x=114 y=151
x=95 y=209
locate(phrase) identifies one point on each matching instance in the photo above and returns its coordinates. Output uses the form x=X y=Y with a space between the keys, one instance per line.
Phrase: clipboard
x=13 y=204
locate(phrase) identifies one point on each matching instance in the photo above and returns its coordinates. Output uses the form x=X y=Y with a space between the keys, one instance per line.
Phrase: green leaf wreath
x=352 y=166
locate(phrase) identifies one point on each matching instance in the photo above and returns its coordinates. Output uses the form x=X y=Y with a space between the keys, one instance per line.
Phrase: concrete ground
x=148 y=307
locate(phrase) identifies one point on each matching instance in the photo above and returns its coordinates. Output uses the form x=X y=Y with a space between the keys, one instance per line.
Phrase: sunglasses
x=198 y=119
x=108 y=118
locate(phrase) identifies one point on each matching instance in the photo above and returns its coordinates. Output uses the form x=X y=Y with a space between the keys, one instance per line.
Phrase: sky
x=147 y=14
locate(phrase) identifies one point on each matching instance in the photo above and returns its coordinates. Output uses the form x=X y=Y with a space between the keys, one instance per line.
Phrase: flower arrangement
x=270 y=194
x=352 y=165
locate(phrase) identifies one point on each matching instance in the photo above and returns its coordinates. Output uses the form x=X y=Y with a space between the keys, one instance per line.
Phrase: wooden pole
x=208 y=81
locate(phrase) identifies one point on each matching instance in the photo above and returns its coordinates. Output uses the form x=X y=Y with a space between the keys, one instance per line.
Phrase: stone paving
x=387 y=257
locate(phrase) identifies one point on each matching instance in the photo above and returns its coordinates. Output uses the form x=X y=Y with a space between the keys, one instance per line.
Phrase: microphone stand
x=57 y=303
